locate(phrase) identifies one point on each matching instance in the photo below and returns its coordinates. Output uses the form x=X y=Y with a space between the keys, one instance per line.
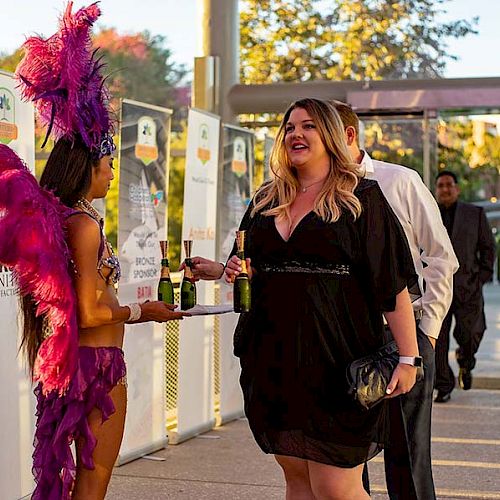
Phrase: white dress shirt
x=430 y=245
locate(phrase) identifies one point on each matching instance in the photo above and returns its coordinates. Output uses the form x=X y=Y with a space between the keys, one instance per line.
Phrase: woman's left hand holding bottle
x=233 y=268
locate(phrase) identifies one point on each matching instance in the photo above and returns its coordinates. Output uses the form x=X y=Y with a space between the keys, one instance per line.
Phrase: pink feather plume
x=33 y=245
x=63 y=78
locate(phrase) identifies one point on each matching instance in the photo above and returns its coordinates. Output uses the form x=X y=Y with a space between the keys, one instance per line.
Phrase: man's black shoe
x=465 y=379
x=442 y=397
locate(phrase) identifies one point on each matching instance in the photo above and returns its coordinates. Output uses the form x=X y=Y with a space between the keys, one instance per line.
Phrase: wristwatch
x=411 y=360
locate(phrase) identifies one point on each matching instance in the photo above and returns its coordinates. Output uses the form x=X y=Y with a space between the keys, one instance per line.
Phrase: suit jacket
x=475 y=249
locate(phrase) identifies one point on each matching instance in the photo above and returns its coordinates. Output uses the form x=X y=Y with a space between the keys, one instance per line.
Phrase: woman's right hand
x=160 y=312
x=233 y=268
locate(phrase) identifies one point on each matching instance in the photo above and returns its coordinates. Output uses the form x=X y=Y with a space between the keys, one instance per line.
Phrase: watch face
x=417 y=361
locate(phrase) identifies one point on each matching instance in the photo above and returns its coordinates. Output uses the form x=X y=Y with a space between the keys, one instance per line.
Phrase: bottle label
x=188 y=274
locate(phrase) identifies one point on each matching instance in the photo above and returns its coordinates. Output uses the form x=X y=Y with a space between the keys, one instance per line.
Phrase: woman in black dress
x=327 y=258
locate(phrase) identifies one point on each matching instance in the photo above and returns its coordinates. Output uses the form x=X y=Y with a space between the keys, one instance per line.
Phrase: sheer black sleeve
x=247 y=221
x=386 y=254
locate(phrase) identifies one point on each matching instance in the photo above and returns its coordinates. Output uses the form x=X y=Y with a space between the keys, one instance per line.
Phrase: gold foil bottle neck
x=164 y=249
x=188 y=246
x=240 y=241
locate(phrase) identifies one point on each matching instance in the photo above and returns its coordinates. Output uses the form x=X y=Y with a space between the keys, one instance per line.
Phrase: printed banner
x=195 y=407
x=200 y=182
x=144 y=140
x=235 y=193
x=17 y=130
x=268 y=144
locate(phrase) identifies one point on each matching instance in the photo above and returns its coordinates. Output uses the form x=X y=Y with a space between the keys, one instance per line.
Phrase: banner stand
x=17 y=407
x=144 y=147
x=195 y=394
x=236 y=189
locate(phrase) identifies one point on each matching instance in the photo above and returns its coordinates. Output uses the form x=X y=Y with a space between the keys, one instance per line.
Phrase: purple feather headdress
x=62 y=76
x=33 y=245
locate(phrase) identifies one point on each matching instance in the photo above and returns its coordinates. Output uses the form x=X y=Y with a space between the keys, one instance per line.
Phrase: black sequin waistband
x=306 y=267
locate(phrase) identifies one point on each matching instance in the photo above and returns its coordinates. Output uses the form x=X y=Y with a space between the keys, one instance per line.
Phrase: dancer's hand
x=160 y=312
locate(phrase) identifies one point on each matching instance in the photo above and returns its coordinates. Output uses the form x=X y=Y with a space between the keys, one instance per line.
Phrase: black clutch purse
x=368 y=377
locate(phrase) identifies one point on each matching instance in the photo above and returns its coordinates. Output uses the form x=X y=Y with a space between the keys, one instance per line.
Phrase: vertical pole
x=221 y=38
x=426 y=150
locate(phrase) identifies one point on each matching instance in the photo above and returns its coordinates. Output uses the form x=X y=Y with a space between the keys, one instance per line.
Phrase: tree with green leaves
x=140 y=66
x=300 y=40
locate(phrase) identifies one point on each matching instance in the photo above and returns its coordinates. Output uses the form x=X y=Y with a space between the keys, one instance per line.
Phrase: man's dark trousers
x=468 y=332
x=407 y=455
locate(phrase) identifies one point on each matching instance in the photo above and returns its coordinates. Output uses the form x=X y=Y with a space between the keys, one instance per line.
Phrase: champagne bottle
x=242 y=294
x=165 y=287
x=188 y=286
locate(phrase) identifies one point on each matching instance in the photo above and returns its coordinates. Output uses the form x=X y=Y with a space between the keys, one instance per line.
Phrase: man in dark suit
x=474 y=247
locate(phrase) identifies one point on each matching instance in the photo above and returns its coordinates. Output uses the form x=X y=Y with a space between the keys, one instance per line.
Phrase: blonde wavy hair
x=337 y=192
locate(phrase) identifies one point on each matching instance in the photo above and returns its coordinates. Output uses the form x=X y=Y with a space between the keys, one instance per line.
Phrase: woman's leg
x=336 y=483
x=296 y=477
x=92 y=484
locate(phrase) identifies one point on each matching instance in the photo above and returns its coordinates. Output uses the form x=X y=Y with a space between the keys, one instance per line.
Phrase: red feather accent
x=33 y=245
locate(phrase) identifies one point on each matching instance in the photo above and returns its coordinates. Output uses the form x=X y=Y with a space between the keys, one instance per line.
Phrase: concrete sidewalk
x=225 y=464
x=487 y=371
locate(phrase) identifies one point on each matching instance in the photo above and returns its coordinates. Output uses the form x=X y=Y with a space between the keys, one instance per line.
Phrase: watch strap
x=411 y=360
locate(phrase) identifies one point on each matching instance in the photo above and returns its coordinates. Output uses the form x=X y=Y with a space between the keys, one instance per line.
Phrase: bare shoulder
x=83 y=229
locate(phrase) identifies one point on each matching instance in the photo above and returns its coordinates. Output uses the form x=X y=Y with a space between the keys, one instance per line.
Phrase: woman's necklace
x=85 y=205
x=305 y=188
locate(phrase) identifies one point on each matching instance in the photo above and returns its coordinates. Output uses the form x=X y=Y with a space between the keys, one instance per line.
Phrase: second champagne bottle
x=188 y=286
x=165 y=287
x=242 y=292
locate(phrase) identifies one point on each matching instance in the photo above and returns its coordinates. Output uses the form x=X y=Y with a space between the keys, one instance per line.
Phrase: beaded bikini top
x=111 y=262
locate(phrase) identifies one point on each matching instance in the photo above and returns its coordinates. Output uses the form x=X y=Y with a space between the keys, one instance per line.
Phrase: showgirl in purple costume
x=53 y=239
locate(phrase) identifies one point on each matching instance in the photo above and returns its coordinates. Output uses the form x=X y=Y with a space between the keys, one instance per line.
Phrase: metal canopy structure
x=217 y=76
x=217 y=88
x=377 y=96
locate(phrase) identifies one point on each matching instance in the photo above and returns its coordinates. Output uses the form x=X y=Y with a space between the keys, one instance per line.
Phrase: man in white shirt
x=408 y=456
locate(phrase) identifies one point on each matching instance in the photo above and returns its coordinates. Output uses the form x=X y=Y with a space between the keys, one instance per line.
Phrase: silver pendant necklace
x=305 y=188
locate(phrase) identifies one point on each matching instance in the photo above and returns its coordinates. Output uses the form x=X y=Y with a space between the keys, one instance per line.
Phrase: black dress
x=317 y=305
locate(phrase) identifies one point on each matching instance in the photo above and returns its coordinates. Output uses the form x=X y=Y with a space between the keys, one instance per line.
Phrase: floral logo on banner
x=239 y=163
x=146 y=148
x=203 y=152
x=157 y=197
x=8 y=127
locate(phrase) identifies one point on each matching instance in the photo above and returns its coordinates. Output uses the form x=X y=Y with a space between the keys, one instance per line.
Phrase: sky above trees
x=178 y=23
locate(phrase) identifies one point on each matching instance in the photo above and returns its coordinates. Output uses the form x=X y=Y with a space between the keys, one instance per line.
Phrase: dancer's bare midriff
x=104 y=335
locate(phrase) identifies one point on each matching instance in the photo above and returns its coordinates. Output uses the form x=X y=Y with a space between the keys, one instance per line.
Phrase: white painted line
x=474 y=407
x=493 y=442
x=454 y=463
x=444 y=493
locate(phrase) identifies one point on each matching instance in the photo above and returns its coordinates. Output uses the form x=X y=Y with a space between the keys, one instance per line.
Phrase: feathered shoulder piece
x=33 y=245
x=62 y=76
